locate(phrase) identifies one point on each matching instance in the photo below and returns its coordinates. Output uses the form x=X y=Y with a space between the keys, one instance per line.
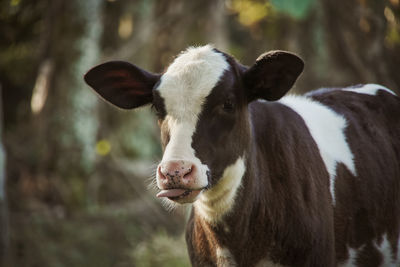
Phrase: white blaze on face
x=184 y=87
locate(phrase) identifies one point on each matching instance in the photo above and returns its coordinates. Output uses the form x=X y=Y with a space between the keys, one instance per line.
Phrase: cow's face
x=202 y=115
x=201 y=103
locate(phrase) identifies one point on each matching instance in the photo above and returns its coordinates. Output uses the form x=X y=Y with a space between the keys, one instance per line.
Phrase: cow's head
x=201 y=102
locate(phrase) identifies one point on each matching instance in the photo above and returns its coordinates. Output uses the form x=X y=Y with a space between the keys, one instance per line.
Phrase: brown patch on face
x=165 y=132
x=222 y=131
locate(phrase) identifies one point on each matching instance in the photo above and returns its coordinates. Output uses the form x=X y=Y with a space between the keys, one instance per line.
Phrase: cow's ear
x=122 y=84
x=272 y=75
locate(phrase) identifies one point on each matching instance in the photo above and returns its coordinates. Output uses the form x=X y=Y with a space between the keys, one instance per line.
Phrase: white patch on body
x=327 y=129
x=351 y=261
x=368 y=89
x=386 y=250
x=184 y=87
x=217 y=201
x=384 y=247
x=225 y=258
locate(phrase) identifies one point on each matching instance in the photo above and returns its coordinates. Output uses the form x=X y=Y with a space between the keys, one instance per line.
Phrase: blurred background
x=74 y=170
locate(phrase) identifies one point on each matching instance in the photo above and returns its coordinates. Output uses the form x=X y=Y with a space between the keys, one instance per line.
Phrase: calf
x=274 y=180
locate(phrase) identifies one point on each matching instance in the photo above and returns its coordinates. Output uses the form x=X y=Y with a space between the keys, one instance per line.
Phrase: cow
x=273 y=179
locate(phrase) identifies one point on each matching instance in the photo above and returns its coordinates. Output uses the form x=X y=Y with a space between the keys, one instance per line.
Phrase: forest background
x=74 y=170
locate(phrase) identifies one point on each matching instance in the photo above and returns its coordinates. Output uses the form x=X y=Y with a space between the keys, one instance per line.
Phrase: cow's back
x=367 y=202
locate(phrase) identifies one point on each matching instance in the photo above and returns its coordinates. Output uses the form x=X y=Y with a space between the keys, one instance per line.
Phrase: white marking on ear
x=219 y=200
x=225 y=258
x=368 y=89
x=327 y=128
x=184 y=88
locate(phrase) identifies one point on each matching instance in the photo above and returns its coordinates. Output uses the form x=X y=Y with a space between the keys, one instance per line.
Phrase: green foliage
x=161 y=250
x=100 y=239
x=83 y=241
x=393 y=36
x=250 y=11
x=298 y=9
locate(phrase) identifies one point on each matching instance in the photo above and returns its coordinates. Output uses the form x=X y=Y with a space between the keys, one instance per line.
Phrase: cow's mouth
x=180 y=195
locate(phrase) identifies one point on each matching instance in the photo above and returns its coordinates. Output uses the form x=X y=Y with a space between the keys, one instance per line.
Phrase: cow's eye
x=228 y=106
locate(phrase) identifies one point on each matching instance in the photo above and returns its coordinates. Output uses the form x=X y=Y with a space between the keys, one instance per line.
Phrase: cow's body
x=285 y=204
x=303 y=181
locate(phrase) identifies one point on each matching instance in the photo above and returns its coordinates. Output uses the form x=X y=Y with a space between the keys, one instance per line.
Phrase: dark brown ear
x=272 y=75
x=122 y=84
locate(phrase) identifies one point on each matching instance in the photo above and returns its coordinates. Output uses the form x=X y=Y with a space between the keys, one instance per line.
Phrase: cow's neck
x=236 y=209
x=272 y=196
x=245 y=186
x=227 y=240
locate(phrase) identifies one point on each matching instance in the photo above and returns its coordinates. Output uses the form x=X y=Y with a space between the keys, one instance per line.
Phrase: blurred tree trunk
x=217 y=25
x=60 y=142
x=75 y=103
x=71 y=127
x=356 y=35
x=176 y=30
x=4 y=229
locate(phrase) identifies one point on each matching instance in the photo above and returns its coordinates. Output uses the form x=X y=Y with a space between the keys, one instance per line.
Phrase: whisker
x=151 y=180
x=152 y=183
x=169 y=205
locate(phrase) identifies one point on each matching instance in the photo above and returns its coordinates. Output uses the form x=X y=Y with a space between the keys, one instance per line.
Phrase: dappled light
x=250 y=12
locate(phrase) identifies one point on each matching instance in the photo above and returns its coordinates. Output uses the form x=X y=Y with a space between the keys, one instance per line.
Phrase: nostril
x=187 y=172
x=160 y=173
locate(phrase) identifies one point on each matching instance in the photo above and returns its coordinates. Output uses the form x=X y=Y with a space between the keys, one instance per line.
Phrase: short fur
x=268 y=198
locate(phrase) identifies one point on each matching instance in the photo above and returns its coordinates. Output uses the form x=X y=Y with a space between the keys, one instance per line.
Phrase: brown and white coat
x=275 y=180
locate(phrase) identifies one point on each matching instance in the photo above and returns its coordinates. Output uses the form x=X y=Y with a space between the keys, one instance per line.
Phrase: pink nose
x=175 y=174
